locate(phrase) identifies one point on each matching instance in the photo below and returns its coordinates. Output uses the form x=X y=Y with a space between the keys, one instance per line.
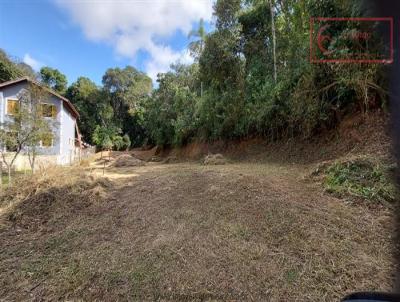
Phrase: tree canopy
x=251 y=76
x=54 y=79
x=11 y=68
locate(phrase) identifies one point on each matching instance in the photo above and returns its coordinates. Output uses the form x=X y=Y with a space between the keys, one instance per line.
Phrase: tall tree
x=226 y=12
x=11 y=68
x=170 y=114
x=125 y=88
x=54 y=79
x=221 y=70
x=90 y=102
x=196 y=47
x=271 y=5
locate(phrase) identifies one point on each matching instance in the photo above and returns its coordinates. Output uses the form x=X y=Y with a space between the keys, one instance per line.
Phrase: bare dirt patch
x=193 y=232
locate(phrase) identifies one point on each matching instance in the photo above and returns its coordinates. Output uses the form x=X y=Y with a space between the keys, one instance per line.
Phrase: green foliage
x=118 y=142
x=221 y=71
x=121 y=142
x=116 y=105
x=126 y=142
x=88 y=99
x=126 y=87
x=234 y=94
x=107 y=143
x=104 y=137
x=226 y=12
x=26 y=70
x=196 y=47
x=231 y=90
x=124 y=90
x=361 y=178
x=54 y=79
x=11 y=69
x=169 y=115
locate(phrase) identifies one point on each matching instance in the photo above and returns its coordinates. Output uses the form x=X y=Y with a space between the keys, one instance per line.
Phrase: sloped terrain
x=189 y=232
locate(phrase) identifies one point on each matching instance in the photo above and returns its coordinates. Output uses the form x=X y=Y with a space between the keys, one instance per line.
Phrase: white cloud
x=35 y=64
x=134 y=25
x=162 y=59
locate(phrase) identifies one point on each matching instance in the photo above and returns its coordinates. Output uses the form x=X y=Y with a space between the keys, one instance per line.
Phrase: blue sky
x=85 y=37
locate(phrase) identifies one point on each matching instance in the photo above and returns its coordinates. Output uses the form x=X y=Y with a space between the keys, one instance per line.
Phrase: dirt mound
x=215 y=159
x=37 y=201
x=146 y=154
x=127 y=160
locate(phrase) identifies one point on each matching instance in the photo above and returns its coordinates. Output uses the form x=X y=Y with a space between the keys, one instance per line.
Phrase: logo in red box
x=351 y=40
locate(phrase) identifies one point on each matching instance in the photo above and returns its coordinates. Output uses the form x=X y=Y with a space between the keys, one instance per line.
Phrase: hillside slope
x=358 y=134
x=185 y=231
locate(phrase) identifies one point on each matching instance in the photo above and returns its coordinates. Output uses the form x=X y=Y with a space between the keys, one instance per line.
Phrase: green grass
x=361 y=178
x=14 y=174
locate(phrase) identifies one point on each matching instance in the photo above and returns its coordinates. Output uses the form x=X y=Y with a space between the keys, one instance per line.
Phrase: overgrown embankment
x=49 y=197
x=353 y=161
x=358 y=134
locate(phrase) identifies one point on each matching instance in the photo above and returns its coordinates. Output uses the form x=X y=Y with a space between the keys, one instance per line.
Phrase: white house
x=62 y=148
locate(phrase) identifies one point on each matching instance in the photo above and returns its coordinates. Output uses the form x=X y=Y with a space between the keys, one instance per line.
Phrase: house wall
x=63 y=126
x=67 y=146
x=22 y=162
x=12 y=92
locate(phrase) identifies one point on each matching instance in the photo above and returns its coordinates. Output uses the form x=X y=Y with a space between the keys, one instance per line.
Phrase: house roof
x=67 y=102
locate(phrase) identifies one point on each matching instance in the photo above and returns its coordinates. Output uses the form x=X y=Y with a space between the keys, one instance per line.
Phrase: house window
x=49 y=110
x=47 y=142
x=12 y=107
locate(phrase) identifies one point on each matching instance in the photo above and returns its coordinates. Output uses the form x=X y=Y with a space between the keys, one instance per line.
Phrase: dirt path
x=185 y=232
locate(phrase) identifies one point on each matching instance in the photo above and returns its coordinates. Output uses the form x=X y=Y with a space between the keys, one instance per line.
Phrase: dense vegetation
x=251 y=76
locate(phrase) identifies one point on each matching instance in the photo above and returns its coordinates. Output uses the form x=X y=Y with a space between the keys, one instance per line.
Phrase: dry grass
x=188 y=232
x=31 y=196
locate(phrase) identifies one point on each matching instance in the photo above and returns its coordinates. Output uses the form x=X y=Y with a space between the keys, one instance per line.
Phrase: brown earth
x=357 y=134
x=251 y=230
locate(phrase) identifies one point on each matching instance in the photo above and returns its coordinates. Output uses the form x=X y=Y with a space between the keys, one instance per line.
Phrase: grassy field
x=188 y=232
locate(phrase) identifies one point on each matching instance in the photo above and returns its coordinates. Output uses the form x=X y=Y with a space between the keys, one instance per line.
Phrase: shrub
x=361 y=178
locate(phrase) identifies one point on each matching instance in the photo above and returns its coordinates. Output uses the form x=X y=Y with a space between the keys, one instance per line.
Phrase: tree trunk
x=33 y=165
x=273 y=37
x=32 y=159
x=1 y=175
x=9 y=174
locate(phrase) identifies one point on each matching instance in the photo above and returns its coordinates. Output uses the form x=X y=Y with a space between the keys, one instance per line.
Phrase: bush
x=126 y=141
x=360 y=178
x=118 y=142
